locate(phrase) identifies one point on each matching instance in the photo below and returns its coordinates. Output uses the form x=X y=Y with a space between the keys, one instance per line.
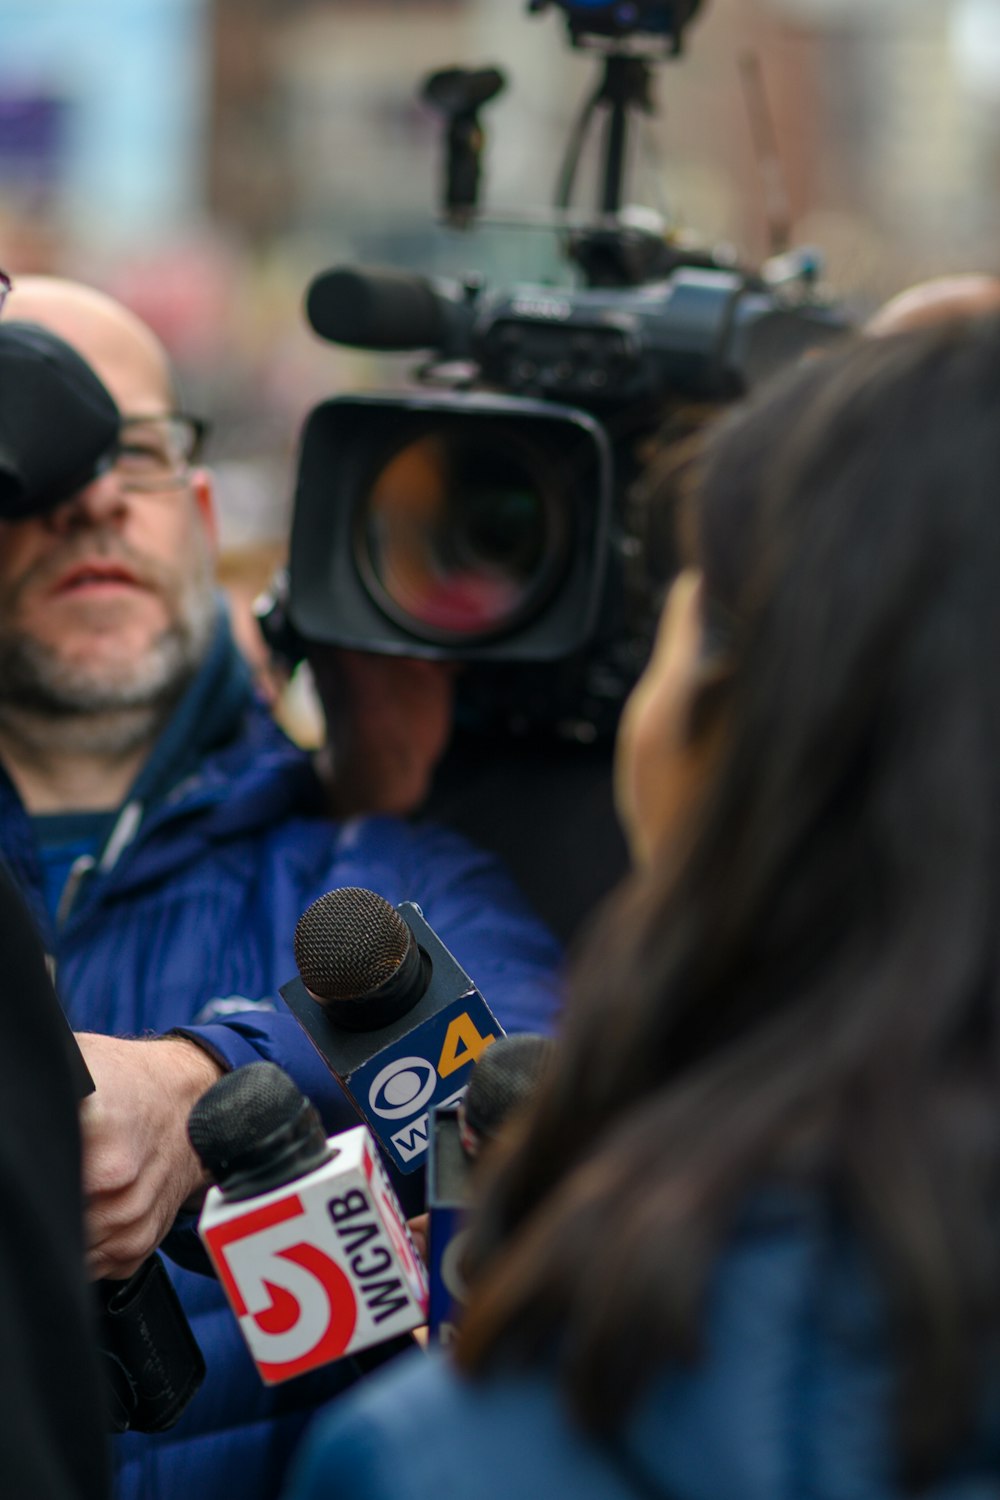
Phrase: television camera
x=488 y=512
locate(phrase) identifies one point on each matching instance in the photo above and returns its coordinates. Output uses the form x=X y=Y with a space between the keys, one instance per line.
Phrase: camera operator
x=399 y=740
x=167 y=838
x=543 y=807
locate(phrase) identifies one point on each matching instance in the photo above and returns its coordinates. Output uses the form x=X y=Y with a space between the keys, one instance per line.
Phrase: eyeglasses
x=4 y=288
x=155 y=453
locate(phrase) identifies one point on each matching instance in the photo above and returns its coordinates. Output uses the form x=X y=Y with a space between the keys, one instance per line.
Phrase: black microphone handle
x=383 y=309
x=153 y=1364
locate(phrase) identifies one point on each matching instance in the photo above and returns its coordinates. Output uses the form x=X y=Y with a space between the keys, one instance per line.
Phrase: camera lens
x=461 y=534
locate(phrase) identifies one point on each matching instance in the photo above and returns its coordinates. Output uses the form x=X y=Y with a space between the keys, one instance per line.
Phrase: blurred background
x=203 y=159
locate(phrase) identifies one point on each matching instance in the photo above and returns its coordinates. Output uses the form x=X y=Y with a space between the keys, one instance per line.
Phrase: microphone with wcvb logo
x=392 y=1014
x=305 y=1233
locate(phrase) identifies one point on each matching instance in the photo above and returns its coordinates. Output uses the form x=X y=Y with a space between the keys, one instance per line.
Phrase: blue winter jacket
x=187 y=920
x=792 y=1399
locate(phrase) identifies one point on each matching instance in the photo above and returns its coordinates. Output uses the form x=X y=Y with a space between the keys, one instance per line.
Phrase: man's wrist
x=194 y=1069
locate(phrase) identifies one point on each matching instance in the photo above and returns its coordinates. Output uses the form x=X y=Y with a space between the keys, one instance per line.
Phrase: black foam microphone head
x=505 y=1076
x=58 y=422
x=254 y=1130
x=358 y=957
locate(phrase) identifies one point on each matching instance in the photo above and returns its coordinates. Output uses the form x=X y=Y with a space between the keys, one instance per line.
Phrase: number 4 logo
x=463 y=1044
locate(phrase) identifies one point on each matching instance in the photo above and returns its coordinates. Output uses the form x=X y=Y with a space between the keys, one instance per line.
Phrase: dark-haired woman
x=748 y=1242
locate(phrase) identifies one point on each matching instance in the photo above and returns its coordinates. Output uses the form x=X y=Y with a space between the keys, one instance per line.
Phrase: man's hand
x=389 y=720
x=138 y=1165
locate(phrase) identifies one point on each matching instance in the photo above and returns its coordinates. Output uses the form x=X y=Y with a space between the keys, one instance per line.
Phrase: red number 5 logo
x=295 y=1305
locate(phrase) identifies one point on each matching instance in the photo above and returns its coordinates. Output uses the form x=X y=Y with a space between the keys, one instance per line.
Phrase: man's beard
x=111 y=708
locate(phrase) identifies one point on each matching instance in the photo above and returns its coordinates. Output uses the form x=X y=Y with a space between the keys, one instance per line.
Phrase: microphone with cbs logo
x=392 y=1014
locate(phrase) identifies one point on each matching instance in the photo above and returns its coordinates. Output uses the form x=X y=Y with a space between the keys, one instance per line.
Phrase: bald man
x=167 y=837
x=971 y=295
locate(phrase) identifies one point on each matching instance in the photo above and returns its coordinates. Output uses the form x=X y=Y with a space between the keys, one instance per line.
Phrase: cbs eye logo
x=402 y=1087
x=408 y=1084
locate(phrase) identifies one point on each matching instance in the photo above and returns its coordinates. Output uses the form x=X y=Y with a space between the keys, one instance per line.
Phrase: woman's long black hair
x=825 y=966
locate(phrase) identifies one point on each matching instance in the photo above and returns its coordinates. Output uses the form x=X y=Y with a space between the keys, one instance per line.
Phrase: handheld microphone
x=504 y=1079
x=305 y=1233
x=390 y=1011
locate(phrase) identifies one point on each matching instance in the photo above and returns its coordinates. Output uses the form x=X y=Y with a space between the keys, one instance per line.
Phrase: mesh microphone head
x=349 y=943
x=255 y=1129
x=505 y=1076
x=359 y=959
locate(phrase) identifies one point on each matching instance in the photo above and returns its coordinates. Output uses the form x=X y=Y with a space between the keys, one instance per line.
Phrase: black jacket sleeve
x=52 y=1439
